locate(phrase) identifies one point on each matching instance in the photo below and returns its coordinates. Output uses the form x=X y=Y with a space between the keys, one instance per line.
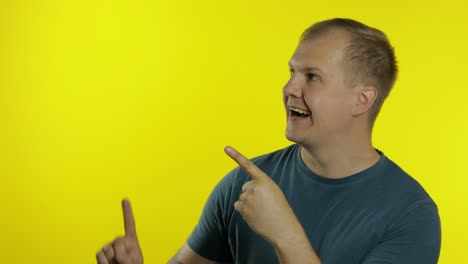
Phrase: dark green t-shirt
x=380 y=215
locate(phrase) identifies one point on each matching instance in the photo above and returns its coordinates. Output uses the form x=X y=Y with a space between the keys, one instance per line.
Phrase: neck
x=340 y=158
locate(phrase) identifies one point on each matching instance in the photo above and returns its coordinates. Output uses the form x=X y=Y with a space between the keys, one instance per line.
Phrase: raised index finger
x=255 y=172
x=129 y=220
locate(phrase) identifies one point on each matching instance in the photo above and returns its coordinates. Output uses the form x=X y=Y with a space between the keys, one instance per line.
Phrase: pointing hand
x=126 y=249
x=263 y=205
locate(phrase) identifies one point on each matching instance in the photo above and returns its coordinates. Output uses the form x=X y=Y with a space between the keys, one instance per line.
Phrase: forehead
x=324 y=51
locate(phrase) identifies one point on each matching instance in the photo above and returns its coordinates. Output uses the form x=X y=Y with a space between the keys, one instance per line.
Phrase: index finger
x=255 y=172
x=129 y=220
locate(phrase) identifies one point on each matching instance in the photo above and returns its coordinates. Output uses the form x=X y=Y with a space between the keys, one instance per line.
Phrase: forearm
x=296 y=249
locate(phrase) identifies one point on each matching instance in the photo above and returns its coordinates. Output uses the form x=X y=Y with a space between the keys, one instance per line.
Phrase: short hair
x=369 y=57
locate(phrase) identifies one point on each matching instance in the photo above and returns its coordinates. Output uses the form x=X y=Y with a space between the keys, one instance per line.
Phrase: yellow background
x=101 y=100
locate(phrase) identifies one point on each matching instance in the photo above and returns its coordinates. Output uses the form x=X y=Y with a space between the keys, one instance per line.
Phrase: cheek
x=317 y=103
x=312 y=100
x=326 y=108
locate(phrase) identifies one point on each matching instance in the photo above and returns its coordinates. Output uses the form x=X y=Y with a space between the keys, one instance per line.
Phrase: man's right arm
x=186 y=255
x=208 y=242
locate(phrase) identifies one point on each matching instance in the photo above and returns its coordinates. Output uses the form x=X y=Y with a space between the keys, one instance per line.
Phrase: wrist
x=292 y=232
x=288 y=239
x=295 y=248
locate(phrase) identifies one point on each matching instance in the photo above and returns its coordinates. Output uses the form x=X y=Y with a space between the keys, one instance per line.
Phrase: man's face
x=317 y=100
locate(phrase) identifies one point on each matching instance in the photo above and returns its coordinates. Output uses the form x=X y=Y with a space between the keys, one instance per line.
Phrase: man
x=329 y=198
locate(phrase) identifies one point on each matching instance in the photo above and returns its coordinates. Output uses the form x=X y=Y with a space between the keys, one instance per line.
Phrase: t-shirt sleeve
x=209 y=239
x=414 y=239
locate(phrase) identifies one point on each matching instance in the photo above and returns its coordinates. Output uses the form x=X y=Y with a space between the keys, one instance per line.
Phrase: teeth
x=300 y=111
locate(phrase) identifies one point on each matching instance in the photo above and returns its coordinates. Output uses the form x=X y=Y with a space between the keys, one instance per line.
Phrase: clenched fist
x=126 y=249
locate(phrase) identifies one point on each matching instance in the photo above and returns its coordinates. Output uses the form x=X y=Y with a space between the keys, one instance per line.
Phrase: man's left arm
x=264 y=207
x=296 y=250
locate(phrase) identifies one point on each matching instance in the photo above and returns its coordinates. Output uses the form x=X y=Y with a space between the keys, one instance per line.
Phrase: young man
x=329 y=198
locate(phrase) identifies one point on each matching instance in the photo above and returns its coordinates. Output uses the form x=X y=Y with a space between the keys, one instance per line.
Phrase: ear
x=365 y=99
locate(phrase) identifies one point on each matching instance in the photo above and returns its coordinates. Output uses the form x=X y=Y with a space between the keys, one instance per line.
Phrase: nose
x=293 y=87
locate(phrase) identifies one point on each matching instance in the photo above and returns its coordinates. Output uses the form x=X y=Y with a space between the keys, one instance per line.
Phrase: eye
x=311 y=76
x=291 y=71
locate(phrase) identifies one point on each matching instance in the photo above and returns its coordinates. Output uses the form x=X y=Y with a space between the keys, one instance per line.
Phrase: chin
x=291 y=136
x=301 y=138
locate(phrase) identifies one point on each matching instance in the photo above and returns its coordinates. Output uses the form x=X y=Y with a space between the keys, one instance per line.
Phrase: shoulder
x=404 y=195
x=402 y=184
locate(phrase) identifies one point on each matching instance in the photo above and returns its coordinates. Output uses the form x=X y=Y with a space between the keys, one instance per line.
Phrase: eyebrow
x=309 y=68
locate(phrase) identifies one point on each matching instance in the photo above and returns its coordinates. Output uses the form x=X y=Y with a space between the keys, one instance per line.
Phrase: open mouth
x=298 y=112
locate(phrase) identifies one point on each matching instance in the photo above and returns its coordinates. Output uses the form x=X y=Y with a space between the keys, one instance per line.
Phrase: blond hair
x=369 y=57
